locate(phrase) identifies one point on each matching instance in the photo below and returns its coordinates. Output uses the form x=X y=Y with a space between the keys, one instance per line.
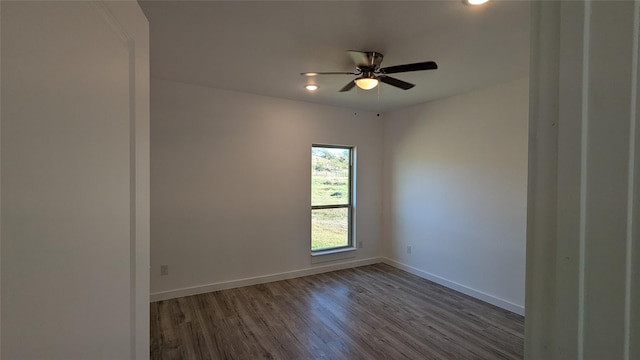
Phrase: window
x=331 y=197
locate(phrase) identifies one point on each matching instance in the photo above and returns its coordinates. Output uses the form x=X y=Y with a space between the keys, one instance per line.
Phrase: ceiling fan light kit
x=366 y=82
x=475 y=2
x=370 y=74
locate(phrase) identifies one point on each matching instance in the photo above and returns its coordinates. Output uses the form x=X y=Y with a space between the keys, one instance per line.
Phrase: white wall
x=455 y=191
x=75 y=180
x=231 y=181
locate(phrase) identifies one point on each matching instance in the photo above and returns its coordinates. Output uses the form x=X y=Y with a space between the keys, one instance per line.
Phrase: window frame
x=349 y=205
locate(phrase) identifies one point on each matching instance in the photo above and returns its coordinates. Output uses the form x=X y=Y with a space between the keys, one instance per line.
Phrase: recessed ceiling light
x=311 y=87
x=475 y=2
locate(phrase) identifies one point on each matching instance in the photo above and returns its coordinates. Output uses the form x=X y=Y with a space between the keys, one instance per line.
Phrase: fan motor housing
x=374 y=59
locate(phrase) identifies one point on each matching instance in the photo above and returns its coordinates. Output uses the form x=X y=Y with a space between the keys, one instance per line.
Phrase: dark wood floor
x=369 y=312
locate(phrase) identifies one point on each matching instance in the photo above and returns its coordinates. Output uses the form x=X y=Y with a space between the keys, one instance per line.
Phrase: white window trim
x=352 y=220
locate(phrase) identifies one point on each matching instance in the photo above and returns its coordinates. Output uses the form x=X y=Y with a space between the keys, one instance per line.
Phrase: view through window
x=331 y=197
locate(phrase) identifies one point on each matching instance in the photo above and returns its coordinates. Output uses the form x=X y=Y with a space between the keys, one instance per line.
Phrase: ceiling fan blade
x=349 y=86
x=396 y=82
x=360 y=58
x=329 y=73
x=427 y=65
x=365 y=58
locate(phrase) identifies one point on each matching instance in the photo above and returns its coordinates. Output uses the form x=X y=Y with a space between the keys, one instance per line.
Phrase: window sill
x=332 y=255
x=332 y=251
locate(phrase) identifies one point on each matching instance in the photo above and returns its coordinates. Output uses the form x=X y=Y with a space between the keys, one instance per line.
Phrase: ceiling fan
x=370 y=73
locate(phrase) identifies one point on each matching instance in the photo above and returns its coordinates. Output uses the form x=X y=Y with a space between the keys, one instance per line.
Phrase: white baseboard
x=518 y=309
x=201 y=289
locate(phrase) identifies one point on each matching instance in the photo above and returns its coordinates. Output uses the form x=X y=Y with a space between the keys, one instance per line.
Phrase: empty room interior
x=439 y=175
x=319 y=180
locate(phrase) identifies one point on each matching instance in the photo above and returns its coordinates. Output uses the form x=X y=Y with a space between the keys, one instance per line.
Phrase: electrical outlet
x=408 y=249
x=360 y=244
x=164 y=270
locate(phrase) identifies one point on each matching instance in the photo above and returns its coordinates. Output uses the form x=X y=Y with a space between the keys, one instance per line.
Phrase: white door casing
x=583 y=255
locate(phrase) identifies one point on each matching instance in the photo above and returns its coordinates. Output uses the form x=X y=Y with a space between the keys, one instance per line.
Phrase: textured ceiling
x=260 y=47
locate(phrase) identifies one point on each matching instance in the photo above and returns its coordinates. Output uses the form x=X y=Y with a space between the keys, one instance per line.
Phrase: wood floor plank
x=369 y=312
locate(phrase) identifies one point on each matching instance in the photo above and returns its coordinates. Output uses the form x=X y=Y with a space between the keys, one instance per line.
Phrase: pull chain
x=378 y=104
